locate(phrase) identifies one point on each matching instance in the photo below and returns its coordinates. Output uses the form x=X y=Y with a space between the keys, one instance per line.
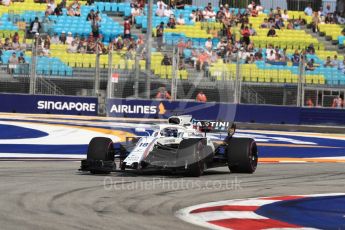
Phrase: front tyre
x=242 y=155
x=100 y=149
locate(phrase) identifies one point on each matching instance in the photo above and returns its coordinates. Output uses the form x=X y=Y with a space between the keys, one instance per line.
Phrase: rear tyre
x=100 y=148
x=242 y=155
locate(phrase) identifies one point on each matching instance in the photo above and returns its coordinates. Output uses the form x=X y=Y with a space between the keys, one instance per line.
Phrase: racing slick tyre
x=100 y=148
x=242 y=155
x=196 y=169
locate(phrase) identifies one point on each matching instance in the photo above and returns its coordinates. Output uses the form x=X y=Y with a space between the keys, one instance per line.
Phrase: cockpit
x=169 y=132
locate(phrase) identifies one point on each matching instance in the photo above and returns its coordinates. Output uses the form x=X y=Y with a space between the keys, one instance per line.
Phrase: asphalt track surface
x=54 y=195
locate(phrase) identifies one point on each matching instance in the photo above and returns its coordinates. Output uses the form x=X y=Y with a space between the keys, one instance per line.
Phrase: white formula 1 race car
x=180 y=146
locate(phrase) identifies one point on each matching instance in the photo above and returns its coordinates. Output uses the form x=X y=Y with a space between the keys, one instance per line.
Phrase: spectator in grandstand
x=265 y=24
x=296 y=58
x=203 y=60
x=289 y=25
x=166 y=60
x=35 y=26
x=159 y=35
x=162 y=4
x=6 y=2
x=341 y=66
x=15 y=45
x=63 y=37
x=171 y=23
x=327 y=10
x=58 y=9
x=329 y=19
x=310 y=65
x=311 y=49
x=252 y=30
x=168 y=12
x=193 y=16
x=245 y=35
x=160 y=11
x=285 y=16
x=220 y=15
x=180 y=20
x=15 y=38
x=251 y=6
x=308 y=10
x=55 y=39
x=91 y=15
x=7 y=44
x=74 y=8
x=12 y=63
x=335 y=61
x=271 y=57
x=208 y=43
x=181 y=45
x=49 y=9
x=209 y=13
x=201 y=97
x=258 y=55
x=95 y=28
x=272 y=32
x=135 y=11
x=69 y=38
x=310 y=102
x=82 y=46
x=337 y=102
x=45 y=50
x=47 y=24
x=63 y=4
x=254 y=12
x=250 y=59
x=21 y=59
x=316 y=20
x=279 y=24
x=127 y=29
x=47 y=42
x=180 y=4
x=328 y=62
x=284 y=57
x=163 y=93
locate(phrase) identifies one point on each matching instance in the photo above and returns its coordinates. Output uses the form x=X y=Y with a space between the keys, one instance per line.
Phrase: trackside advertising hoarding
x=48 y=104
x=164 y=109
x=267 y=114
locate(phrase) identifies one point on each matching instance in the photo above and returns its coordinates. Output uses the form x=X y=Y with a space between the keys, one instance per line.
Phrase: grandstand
x=193 y=40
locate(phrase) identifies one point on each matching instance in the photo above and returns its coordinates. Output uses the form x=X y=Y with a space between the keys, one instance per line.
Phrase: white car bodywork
x=185 y=130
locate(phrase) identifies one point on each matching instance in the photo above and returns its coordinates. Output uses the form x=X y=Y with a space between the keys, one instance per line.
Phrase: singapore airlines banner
x=164 y=109
x=17 y=103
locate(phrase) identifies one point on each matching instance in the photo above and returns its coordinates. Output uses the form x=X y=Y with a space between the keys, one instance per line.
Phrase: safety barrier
x=224 y=111
x=133 y=108
x=19 y=103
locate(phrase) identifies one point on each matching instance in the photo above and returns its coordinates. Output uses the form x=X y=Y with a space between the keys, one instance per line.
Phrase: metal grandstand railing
x=46 y=86
x=228 y=80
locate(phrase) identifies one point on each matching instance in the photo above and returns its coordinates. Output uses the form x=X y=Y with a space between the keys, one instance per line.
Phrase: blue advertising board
x=165 y=109
x=222 y=111
x=19 y=103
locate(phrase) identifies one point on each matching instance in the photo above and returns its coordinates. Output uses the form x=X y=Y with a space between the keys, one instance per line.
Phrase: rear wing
x=214 y=126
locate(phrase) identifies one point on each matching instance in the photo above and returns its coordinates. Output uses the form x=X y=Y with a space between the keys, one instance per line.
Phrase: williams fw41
x=183 y=145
